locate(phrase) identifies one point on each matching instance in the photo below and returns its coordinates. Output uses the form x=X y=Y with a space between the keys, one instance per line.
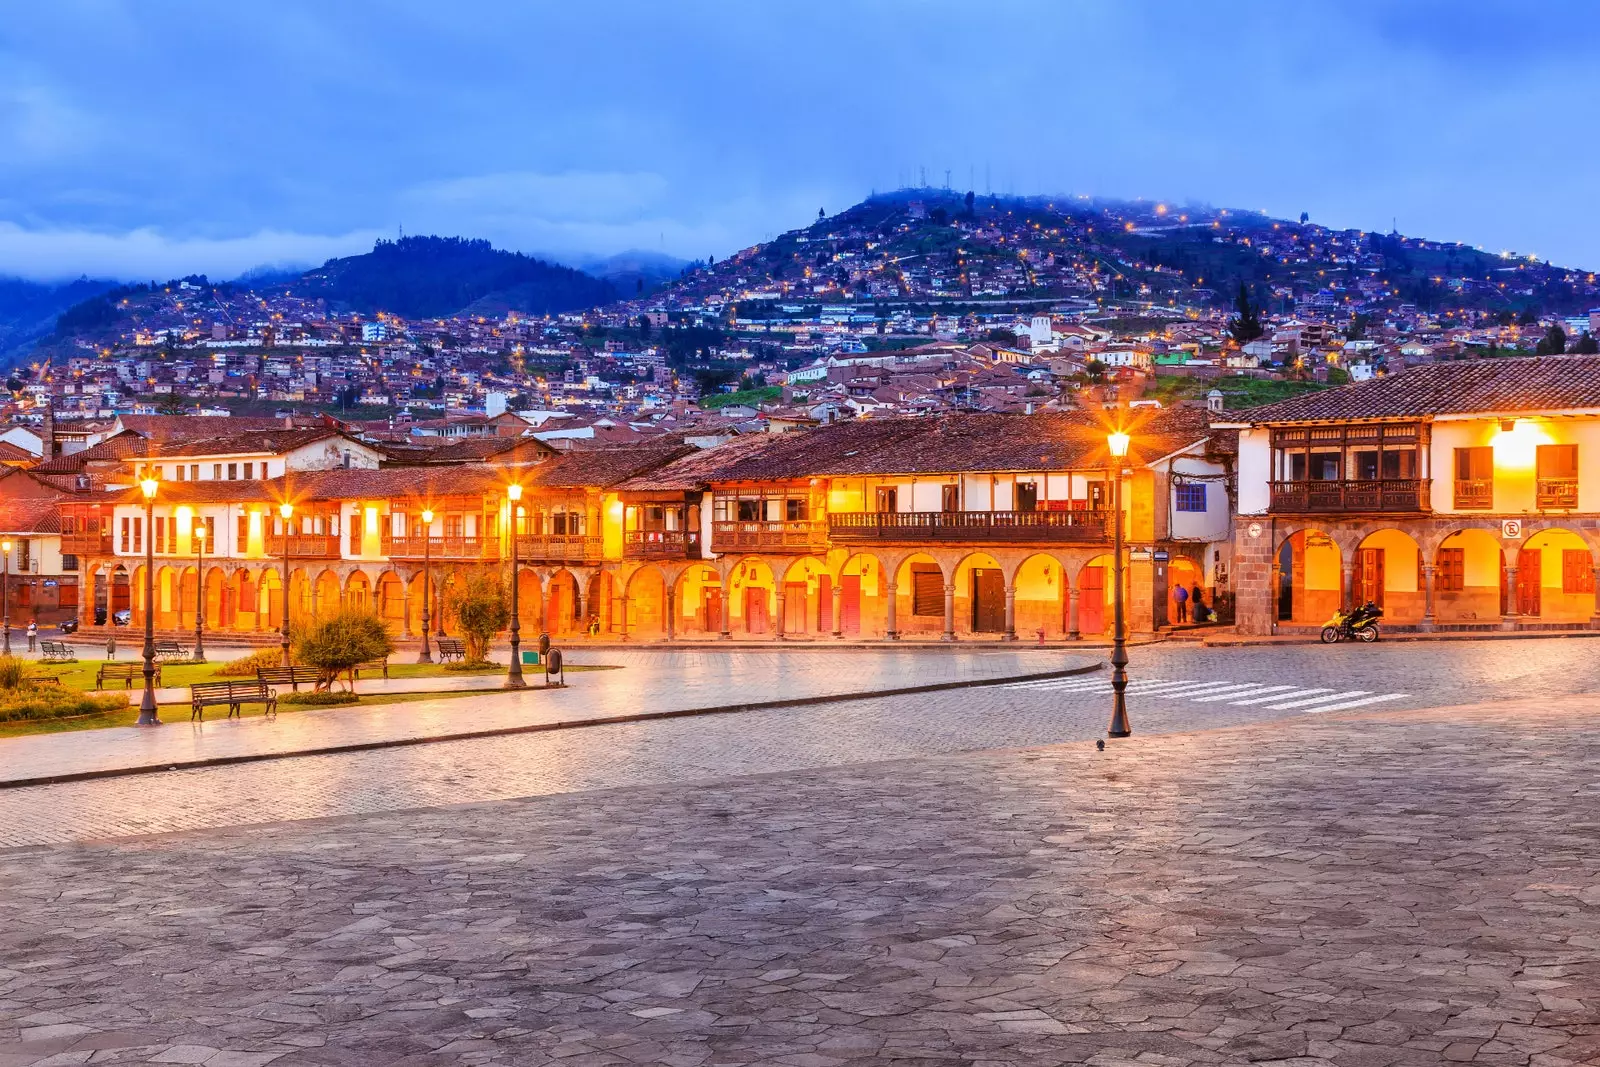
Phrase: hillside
x=432 y=277
x=939 y=247
x=28 y=310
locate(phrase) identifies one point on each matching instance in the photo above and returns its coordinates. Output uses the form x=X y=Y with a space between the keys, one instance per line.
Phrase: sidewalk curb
x=532 y=728
x=1414 y=638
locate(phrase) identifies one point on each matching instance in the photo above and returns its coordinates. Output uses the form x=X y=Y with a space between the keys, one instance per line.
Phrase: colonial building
x=1457 y=496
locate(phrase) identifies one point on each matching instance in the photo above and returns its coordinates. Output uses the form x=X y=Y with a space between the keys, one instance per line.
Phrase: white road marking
x=1356 y=703
x=1256 y=691
x=1279 y=696
x=1318 y=700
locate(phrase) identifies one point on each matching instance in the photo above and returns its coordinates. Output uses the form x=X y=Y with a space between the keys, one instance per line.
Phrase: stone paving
x=648 y=682
x=1419 y=887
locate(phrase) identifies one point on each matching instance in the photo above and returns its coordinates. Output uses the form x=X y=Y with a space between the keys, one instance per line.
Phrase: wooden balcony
x=442 y=548
x=560 y=548
x=959 y=527
x=1350 y=497
x=86 y=544
x=1474 y=494
x=767 y=536
x=1558 y=493
x=661 y=544
x=303 y=546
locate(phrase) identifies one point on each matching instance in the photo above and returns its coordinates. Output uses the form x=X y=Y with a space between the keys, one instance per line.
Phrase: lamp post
x=427 y=580
x=147 y=703
x=514 y=676
x=286 y=509
x=198 y=533
x=5 y=594
x=1117 y=443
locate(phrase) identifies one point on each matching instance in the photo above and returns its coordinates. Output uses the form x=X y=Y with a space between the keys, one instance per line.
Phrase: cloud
x=592 y=196
x=48 y=254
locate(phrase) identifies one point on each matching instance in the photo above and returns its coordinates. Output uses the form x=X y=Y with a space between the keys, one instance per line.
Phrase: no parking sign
x=1511 y=529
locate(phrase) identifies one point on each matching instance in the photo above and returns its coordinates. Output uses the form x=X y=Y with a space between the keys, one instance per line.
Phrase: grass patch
x=765 y=395
x=35 y=704
x=81 y=675
x=312 y=698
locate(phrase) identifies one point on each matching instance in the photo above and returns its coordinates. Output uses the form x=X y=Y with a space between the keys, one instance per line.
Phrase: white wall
x=1255 y=470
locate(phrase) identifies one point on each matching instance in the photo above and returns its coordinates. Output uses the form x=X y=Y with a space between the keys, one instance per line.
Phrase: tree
x=970 y=199
x=644 y=327
x=1304 y=218
x=1553 y=344
x=1586 y=345
x=481 y=611
x=1096 y=370
x=1245 y=326
x=1002 y=336
x=338 y=643
x=1358 y=326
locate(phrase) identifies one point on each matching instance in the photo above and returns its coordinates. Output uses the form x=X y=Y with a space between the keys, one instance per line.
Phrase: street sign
x=1511 y=529
x=1161 y=555
x=1140 y=554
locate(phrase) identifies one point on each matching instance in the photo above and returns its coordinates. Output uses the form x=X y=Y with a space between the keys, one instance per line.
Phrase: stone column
x=1347 y=584
x=1428 y=622
x=949 y=612
x=1011 y=614
x=783 y=603
x=405 y=608
x=890 y=609
x=838 y=610
x=727 y=612
x=1508 y=621
x=671 y=620
x=1073 y=633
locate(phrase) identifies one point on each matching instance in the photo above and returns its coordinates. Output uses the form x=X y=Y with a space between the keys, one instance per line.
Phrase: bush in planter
x=246 y=666
x=39 y=703
x=340 y=642
x=320 y=698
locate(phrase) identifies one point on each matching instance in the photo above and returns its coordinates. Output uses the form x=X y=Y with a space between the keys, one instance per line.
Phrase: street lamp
x=147 y=703
x=5 y=594
x=514 y=676
x=198 y=533
x=286 y=509
x=427 y=580
x=1117 y=444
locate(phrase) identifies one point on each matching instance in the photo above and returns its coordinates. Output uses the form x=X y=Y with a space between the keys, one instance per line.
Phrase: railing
x=448 y=548
x=303 y=546
x=1377 y=494
x=561 y=548
x=799 y=536
x=1474 y=494
x=961 y=526
x=661 y=544
x=86 y=544
x=1558 y=493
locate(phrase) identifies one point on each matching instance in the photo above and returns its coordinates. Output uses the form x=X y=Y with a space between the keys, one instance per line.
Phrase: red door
x=1092 y=601
x=755 y=610
x=1530 y=577
x=850 y=607
x=1369 y=577
x=794 y=608
x=711 y=612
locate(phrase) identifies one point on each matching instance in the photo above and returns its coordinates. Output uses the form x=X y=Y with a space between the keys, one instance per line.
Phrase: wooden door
x=794 y=608
x=1369 y=577
x=1530 y=577
x=988 y=600
x=850 y=608
x=1092 y=601
x=755 y=610
x=711 y=611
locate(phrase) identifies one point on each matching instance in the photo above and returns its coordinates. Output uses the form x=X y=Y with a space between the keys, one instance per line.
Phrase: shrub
x=340 y=642
x=15 y=673
x=246 y=666
x=480 y=608
x=36 y=703
x=473 y=666
x=319 y=698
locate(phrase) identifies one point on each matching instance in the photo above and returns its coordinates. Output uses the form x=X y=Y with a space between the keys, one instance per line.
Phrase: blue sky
x=147 y=138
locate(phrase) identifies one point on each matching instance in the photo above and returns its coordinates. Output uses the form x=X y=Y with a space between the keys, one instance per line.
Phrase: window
x=1474 y=478
x=949 y=498
x=178 y=471
x=249 y=471
x=1191 y=496
x=927 y=590
x=138 y=534
x=749 y=511
x=794 y=510
x=125 y=542
x=161 y=534
x=888 y=498
x=216 y=472
x=233 y=472
x=1027 y=496
x=23 y=555
x=243 y=529
x=194 y=472
x=1558 y=476
x=211 y=533
x=1577 y=571
x=1450 y=574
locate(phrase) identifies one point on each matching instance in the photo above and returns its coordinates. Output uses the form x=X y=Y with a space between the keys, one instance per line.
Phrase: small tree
x=481 y=611
x=340 y=642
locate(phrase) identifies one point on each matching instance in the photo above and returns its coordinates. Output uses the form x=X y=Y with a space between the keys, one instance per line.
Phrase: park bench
x=167 y=650
x=451 y=648
x=372 y=665
x=292 y=676
x=57 y=652
x=230 y=694
x=126 y=673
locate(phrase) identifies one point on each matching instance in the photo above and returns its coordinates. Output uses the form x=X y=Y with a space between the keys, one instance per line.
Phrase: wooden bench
x=230 y=694
x=293 y=675
x=166 y=650
x=126 y=673
x=451 y=648
x=372 y=665
x=57 y=652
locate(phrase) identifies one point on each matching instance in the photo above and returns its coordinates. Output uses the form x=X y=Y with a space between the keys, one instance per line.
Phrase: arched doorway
x=863 y=606
x=1555 y=578
x=699 y=601
x=1387 y=570
x=1183 y=573
x=1469 y=580
x=919 y=596
x=1041 y=603
x=391 y=601
x=807 y=601
x=564 y=611
x=357 y=591
x=1310 y=579
x=325 y=599
x=645 y=601
x=751 y=595
x=980 y=596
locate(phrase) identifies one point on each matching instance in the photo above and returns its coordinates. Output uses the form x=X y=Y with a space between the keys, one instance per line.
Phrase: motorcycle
x=1358 y=625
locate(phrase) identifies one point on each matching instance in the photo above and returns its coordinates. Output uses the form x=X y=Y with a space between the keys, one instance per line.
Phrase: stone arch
x=269 y=599
x=981 y=583
x=1308 y=568
x=1554 y=577
x=137 y=602
x=863 y=581
x=326 y=593
x=699 y=600
x=186 y=597
x=1386 y=568
x=1187 y=574
x=752 y=596
x=301 y=601
x=804 y=597
x=218 y=608
x=1094 y=588
x=357 y=590
x=916 y=594
x=389 y=599
x=1469 y=577
x=167 y=602
x=1041 y=583
x=565 y=603
x=644 y=599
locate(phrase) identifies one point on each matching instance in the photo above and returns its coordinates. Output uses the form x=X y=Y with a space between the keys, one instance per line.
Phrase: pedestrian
x=111 y=646
x=1182 y=598
x=1201 y=612
x=33 y=633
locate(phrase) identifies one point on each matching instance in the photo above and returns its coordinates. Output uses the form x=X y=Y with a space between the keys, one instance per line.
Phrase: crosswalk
x=1276 y=697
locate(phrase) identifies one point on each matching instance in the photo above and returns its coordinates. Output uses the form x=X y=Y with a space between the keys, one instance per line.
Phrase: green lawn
x=764 y=395
x=81 y=675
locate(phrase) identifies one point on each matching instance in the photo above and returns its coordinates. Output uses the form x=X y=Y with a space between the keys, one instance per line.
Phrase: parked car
x=68 y=626
x=122 y=618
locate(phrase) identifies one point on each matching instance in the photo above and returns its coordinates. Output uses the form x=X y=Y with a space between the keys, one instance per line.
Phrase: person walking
x=111 y=646
x=1200 y=610
x=1181 y=595
x=33 y=633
